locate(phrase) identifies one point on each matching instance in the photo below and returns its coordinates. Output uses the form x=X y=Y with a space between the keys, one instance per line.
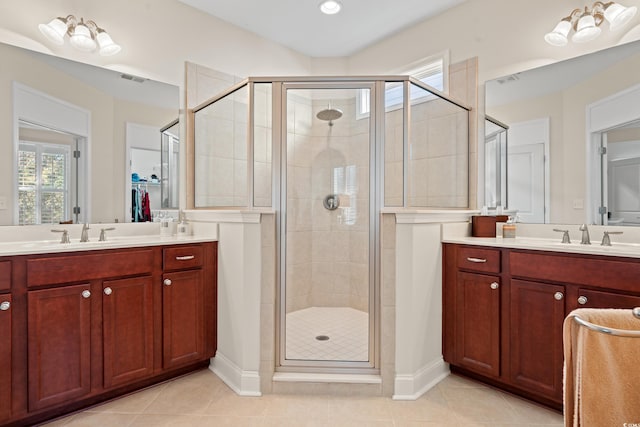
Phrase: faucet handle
x=606 y=241
x=585 y=235
x=565 y=236
x=65 y=235
x=103 y=235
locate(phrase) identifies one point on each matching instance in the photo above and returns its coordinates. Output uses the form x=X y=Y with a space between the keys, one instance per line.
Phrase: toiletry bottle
x=183 y=228
x=509 y=229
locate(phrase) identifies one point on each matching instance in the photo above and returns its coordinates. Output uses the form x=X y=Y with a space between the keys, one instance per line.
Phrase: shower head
x=329 y=115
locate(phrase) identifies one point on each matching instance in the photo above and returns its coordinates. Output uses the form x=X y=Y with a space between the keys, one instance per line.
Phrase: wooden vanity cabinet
x=98 y=324
x=6 y=310
x=536 y=315
x=59 y=343
x=127 y=329
x=188 y=306
x=477 y=310
x=537 y=291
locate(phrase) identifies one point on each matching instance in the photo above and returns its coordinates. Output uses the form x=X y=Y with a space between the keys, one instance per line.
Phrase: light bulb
x=54 y=30
x=558 y=37
x=330 y=7
x=81 y=38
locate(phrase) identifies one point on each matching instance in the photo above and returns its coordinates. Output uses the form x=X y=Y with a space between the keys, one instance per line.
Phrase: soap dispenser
x=509 y=229
x=183 y=228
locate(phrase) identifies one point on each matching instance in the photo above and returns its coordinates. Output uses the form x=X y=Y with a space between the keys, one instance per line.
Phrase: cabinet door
x=588 y=298
x=59 y=339
x=536 y=316
x=5 y=356
x=477 y=324
x=183 y=318
x=127 y=315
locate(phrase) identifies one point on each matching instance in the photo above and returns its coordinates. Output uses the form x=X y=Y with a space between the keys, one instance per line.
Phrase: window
x=43 y=183
x=431 y=73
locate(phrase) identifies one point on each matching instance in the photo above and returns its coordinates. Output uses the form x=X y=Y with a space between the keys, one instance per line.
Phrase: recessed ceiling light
x=330 y=7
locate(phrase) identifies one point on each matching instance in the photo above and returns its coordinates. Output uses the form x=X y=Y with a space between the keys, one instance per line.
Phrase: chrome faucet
x=84 y=236
x=65 y=235
x=606 y=240
x=585 y=235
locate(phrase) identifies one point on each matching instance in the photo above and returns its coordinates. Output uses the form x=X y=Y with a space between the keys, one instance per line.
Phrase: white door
x=526 y=182
x=624 y=190
x=527 y=170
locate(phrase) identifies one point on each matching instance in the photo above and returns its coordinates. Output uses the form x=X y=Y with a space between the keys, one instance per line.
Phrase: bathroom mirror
x=43 y=96
x=545 y=110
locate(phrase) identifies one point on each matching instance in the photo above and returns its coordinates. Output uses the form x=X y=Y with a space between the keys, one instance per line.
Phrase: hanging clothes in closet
x=140 y=205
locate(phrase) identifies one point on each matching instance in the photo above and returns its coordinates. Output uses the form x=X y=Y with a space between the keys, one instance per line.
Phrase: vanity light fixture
x=84 y=36
x=330 y=7
x=586 y=24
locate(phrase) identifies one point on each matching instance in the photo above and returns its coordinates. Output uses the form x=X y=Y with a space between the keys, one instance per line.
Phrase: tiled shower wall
x=327 y=250
x=438 y=156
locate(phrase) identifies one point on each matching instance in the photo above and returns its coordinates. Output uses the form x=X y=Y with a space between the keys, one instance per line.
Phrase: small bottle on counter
x=183 y=229
x=509 y=229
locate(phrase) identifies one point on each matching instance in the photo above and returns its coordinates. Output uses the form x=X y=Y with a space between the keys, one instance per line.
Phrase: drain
x=322 y=338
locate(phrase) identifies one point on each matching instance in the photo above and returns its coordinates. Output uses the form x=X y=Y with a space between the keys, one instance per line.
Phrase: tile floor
x=346 y=328
x=201 y=399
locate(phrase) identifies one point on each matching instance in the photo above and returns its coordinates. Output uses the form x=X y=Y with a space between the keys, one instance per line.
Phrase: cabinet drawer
x=619 y=274
x=479 y=259
x=183 y=257
x=5 y=275
x=83 y=267
x=588 y=298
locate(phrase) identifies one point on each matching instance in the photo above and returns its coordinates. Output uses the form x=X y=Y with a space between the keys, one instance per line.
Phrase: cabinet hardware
x=495 y=285
x=108 y=291
x=558 y=296
x=582 y=300
x=5 y=305
x=167 y=282
x=185 y=258
x=86 y=294
x=476 y=260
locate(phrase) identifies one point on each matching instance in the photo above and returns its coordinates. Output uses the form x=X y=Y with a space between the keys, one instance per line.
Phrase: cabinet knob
x=582 y=300
x=108 y=291
x=558 y=296
x=495 y=285
x=86 y=294
x=5 y=305
x=167 y=282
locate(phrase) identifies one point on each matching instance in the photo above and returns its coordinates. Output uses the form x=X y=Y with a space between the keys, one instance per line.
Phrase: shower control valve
x=331 y=202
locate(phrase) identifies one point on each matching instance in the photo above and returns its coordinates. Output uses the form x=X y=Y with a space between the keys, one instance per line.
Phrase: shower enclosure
x=327 y=155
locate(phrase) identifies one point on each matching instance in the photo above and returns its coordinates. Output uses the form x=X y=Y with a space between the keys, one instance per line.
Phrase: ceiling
x=299 y=24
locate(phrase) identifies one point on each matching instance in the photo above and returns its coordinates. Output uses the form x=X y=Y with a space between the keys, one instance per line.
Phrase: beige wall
x=108 y=116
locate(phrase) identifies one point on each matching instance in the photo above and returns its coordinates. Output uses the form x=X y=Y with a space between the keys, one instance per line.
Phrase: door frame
x=280 y=137
x=37 y=107
x=605 y=114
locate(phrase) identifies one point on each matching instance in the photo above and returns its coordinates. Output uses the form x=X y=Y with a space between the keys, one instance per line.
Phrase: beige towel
x=602 y=372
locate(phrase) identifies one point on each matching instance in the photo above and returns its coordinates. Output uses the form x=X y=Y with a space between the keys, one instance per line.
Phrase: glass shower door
x=328 y=238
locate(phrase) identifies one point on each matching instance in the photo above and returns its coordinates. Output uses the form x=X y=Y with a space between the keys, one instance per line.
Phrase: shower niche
x=327 y=155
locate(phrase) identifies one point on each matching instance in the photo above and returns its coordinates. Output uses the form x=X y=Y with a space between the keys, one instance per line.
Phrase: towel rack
x=610 y=331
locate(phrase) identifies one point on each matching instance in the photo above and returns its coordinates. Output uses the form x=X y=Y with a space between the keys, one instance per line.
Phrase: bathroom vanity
x=504 y=304
x=79 y=326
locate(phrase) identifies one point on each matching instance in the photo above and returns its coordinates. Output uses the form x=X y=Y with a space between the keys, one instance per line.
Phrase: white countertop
x=631 y=250
x=26 y=240
x=542 y=237
x=54 y=246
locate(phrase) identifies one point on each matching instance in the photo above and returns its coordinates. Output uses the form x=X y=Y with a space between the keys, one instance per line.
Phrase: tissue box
x=485 y=226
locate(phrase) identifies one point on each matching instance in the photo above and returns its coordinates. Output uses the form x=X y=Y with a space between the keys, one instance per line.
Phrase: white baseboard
x=244 y=383
x=411 y=387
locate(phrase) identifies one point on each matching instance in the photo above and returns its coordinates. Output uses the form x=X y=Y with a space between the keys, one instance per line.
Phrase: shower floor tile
x=347 y=330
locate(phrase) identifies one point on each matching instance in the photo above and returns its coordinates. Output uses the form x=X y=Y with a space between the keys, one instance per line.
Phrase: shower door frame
x=375 y=202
